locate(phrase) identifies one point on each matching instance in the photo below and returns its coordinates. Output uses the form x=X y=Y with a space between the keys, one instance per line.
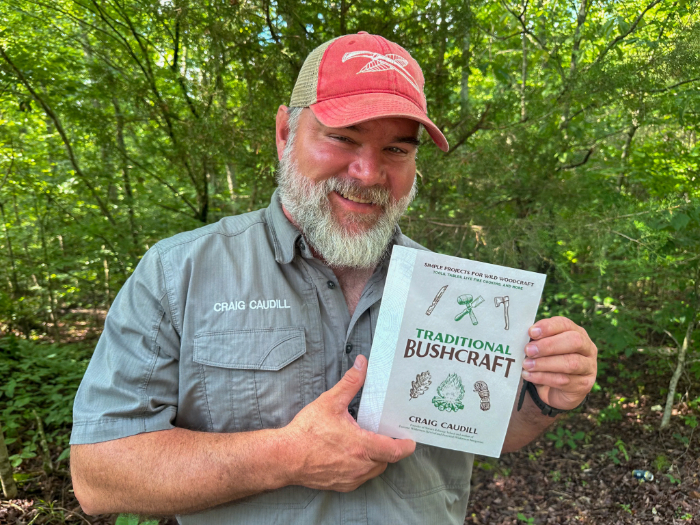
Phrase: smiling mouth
x=354 y=199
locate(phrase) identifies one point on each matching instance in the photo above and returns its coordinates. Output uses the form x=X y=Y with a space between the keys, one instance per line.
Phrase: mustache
x=376 y=194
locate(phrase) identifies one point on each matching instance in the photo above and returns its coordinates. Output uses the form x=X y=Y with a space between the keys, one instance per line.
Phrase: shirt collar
x=286 y=236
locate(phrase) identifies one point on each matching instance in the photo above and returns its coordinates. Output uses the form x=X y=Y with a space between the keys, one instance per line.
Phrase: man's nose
x=368 y=167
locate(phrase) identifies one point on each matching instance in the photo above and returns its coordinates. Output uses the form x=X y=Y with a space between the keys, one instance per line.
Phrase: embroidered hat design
x=389 y=84
x=382 y=63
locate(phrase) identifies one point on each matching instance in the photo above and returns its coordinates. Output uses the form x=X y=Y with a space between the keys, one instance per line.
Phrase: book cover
x=448 y=349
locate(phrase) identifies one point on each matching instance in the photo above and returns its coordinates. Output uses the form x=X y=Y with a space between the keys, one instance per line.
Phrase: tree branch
x=580 y=20
x=479 y=124
x=619 y=38
x=66 y=142
x=551 y=55
x=661 y=90
x=162 y=181
x=577 y=164
x=269 y=24
x=672 y=337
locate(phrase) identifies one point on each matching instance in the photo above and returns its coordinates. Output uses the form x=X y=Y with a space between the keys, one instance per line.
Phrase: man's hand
x=561 y=361
x=329 y=450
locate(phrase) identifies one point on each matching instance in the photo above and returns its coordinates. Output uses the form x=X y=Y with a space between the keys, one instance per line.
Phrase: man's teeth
x=355 y=199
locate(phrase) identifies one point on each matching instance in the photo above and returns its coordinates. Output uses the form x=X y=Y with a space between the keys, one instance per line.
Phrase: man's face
x=346 y=188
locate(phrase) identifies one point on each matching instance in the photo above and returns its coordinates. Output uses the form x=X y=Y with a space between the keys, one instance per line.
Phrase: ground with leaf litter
x=592 y=481
x=587 y=479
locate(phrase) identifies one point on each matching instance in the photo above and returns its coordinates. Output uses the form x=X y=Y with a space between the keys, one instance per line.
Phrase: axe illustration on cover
x=505 y=301
x=469 y=303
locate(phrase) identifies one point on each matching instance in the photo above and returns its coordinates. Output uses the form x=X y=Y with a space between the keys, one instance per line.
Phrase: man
x=226 y=383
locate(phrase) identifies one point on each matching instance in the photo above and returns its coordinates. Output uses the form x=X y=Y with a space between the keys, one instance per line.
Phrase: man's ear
x=281 y=130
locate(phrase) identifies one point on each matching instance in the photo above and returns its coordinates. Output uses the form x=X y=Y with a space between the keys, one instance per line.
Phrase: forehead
x=396 y=126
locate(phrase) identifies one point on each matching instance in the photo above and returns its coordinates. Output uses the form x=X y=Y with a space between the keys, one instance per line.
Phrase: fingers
x=561 y=343
x=349 y=385
x=561 y=360
x=555 y=325
x=569 y=364
x=383 y=449
x=575 y=385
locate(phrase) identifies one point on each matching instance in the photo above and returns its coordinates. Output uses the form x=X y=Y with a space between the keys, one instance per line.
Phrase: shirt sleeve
x=131 y=383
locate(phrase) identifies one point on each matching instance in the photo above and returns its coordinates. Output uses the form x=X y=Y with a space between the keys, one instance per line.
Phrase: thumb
x=349 y=385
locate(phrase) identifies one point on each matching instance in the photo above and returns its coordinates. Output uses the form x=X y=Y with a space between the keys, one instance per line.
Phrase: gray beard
x=308 y=204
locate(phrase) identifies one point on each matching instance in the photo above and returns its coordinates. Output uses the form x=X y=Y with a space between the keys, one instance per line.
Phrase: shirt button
x=352 y=412
x=348 y=348
x=331 y=284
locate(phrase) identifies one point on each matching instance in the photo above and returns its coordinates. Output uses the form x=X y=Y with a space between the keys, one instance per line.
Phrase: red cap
x=355 y=78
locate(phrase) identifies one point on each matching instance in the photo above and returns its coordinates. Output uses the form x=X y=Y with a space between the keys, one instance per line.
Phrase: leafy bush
x=564 y=436
x=41 y=378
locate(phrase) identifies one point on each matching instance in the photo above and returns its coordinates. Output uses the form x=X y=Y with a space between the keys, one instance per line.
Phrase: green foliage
x=661 y=463
x=576 y=156
x=524 y=519
x=613 y=412
x=674 y=480
x=619 y=451
x=585 y=169
x=133 y=519
x=44 y=378
x=563 y=436
x=681 y=438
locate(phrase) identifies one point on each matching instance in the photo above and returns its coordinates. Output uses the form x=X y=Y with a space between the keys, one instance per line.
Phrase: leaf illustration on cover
x=376 y=65
x=398 y=59
x=421 y=384
x=450 y=394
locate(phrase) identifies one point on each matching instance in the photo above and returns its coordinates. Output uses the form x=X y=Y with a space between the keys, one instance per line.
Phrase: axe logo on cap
x=378 y=62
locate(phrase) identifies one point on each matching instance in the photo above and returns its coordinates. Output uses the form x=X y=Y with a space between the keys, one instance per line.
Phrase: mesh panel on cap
x=304 y=93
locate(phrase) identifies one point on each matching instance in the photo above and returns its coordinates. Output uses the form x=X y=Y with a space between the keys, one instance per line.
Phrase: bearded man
x=226 y=383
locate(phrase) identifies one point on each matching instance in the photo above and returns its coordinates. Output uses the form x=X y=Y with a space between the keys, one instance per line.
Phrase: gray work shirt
x=236 y=327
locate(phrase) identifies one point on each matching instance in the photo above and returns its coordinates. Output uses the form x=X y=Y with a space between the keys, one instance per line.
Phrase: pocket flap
x=254 y=349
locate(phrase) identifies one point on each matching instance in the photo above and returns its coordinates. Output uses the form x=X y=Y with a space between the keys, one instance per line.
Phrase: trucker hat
x=356 y=78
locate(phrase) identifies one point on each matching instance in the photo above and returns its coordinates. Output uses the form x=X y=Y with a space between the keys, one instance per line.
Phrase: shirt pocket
x=253 y=379
x=430 y=470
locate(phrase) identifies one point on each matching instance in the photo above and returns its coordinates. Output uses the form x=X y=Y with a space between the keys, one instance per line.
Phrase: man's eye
x=340 y=138
x=398 y=151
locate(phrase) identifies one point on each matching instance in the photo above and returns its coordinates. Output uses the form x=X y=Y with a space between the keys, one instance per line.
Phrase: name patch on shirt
x=253 y=304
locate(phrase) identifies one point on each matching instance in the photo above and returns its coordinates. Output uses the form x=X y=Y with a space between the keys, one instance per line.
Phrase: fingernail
x=359 y=363
x=525 y=374
x=529 y=364
x=532 y=350
x=535 y=332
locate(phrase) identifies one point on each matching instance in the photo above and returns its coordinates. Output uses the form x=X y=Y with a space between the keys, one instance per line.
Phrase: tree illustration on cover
x=450 y=394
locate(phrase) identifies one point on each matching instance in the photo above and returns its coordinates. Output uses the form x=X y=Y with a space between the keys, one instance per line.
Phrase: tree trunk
x=9 y=489
x=13 y=266
x=466 y=57
x=231 y=179
x=626 y=152
x=49 y=286
x=683 y=351
x=128 y=193
x=523 y=86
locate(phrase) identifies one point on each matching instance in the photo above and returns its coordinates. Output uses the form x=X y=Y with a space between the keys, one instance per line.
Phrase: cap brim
x=354 y=109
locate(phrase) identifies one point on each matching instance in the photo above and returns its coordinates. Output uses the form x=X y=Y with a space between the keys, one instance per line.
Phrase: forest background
x=574 y=152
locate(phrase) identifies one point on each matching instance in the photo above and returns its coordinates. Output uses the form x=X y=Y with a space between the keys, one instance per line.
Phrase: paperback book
x=448 y=349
